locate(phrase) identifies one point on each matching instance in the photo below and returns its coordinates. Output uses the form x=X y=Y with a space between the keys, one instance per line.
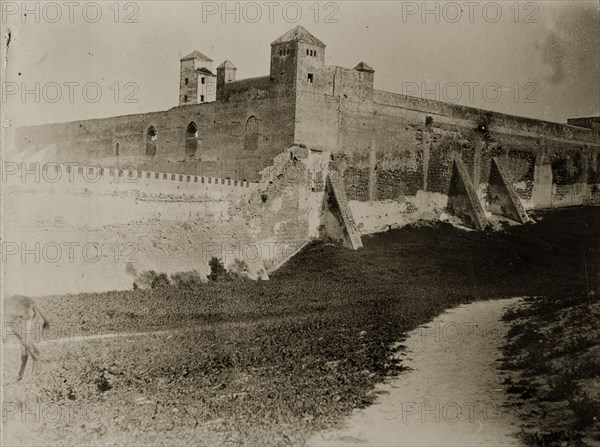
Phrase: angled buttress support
x=504 y=200
x=337 y=204
x=463 y=199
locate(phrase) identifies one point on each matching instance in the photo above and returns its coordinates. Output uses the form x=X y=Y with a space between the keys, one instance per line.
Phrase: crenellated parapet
x=96 y=179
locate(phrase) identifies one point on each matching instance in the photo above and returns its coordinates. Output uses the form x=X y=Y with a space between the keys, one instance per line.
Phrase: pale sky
x=544 y=55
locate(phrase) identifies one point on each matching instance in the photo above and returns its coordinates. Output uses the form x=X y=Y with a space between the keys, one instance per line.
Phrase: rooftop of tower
x=196 y=55
x=299 y=34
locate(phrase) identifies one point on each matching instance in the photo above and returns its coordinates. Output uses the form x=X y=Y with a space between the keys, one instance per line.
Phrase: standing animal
x=18 y=319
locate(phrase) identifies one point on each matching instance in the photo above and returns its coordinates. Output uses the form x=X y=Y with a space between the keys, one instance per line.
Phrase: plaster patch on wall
x=377 y=216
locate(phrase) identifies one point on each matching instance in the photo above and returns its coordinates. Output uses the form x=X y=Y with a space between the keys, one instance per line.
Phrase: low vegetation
x=553 y=352
x=150 y=279
x=268 y=362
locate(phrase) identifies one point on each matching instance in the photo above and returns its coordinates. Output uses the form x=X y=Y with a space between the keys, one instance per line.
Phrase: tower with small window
x=225 y=74
x=297 y=59
x=197 y=83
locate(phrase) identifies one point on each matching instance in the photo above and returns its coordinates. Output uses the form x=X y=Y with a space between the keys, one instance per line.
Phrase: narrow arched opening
x=191 y=139
x=251 y=134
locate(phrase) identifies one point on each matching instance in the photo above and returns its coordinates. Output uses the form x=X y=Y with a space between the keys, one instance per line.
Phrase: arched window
x=191 y=139
x=151 y=141
x=251 y=134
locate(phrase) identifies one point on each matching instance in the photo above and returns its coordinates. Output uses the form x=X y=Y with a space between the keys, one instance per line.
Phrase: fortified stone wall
x=242 y=135
x=396 y=152
x=82 y=234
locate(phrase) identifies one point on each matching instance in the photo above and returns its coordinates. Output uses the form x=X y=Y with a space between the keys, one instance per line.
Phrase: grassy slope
x=265 y=363
x=553 y=353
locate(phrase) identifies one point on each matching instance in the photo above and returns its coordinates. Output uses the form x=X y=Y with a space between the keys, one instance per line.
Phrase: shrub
x=563 y=385
x=161 y=280
x=151 y=279
x=146 y=279
x=239 y=270
x=218 y=272
x=586 y=409
x=552 y=438
x=186 y=279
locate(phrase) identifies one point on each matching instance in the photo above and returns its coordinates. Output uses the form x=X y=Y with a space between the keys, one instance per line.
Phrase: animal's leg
x=29 y=344
x=35 y=355
x=24 y=357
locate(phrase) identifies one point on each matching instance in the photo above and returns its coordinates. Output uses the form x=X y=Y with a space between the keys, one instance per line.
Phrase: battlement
x=88 y=178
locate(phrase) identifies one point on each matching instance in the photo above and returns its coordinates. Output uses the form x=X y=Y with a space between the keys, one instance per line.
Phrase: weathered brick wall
x=416 y=140
x=568 y=167
x=221 y=134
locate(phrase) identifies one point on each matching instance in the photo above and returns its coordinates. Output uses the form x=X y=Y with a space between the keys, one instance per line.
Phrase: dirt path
x=452 y=396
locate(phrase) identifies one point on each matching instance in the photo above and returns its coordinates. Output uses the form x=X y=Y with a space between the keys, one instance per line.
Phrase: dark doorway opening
x=191 y=139
x=251 y=134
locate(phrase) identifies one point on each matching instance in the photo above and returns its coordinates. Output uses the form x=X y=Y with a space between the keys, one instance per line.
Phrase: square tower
x=297 y=59
x=225 y=74
x=197 y=83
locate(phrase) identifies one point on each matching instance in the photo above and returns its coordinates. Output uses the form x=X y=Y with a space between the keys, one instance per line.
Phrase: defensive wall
x=219 y=136
x=308 y=151
x=83 y=228
x=88 y=228
x=390 y=146
x=394 y=145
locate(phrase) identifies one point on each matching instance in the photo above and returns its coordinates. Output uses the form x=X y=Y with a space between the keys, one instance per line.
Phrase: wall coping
x=94 y=174
x=498 y=119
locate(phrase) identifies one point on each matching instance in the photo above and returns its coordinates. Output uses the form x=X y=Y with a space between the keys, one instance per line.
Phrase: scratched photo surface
x=307 y=223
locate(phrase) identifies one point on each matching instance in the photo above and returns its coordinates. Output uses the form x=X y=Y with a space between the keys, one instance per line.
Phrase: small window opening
x=185 y=98
x=201 y=98
x=186 y=81
x=310 y=78
x=307 y=52
x=202 y=80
